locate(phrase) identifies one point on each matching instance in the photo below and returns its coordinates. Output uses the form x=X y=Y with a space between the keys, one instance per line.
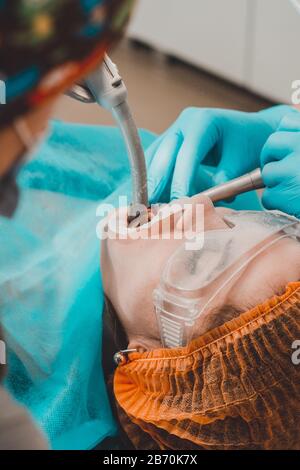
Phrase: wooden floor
x=159 y=89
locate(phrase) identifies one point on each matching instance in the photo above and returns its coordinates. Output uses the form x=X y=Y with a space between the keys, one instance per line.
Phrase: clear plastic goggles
x=192 y=280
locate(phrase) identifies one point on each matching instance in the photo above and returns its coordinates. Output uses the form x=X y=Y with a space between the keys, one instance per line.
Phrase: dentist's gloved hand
x=280 y=161
x=229 y=140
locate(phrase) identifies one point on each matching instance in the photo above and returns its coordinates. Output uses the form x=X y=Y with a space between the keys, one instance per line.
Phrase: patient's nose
x=213 y=217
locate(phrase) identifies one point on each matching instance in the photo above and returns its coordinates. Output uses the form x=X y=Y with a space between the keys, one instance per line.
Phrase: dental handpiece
x=243 y=184
x=106 y=87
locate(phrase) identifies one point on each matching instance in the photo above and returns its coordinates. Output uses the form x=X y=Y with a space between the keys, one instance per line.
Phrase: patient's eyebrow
x=219 y=316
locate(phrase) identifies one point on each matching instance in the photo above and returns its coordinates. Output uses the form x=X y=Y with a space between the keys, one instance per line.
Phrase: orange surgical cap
x=236 y=387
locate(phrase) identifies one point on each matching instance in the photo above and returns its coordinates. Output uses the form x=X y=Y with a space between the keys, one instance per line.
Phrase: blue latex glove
x=280 y=161
x=230 y=141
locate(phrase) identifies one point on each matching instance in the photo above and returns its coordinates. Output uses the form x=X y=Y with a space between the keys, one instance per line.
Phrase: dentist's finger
x=276 y=172
x=152 y=149
x=278 y=146
x=198 y=141
x=162 y=165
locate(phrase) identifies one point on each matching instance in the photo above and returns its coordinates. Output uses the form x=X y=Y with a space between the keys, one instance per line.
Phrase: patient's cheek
x=137 y=311
x=135 y=306
x=268 y=275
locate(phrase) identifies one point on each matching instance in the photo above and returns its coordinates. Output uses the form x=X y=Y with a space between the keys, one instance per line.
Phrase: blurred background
x=241 y=54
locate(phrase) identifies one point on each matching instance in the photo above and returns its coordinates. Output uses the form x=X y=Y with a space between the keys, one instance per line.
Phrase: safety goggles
x=192 y=280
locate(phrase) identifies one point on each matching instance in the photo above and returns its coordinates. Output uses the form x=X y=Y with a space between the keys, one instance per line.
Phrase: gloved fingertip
x=153 y=193
x=221 y=177
x=266 y=199
x=178 y=194
x=151 y=197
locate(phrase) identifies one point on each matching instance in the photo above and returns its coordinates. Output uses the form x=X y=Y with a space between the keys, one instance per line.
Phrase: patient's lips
x=169 y=219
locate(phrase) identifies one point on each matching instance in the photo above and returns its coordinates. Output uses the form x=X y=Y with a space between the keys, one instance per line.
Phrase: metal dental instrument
x=243 y=184
x=106 y=87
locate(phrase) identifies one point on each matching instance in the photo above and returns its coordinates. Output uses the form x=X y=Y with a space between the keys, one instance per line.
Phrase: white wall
x=276 y=49
x=255 y=43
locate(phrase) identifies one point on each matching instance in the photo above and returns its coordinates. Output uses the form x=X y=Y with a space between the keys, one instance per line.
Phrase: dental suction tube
x=106 y=87
x=135 y=151
x=109 y=90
